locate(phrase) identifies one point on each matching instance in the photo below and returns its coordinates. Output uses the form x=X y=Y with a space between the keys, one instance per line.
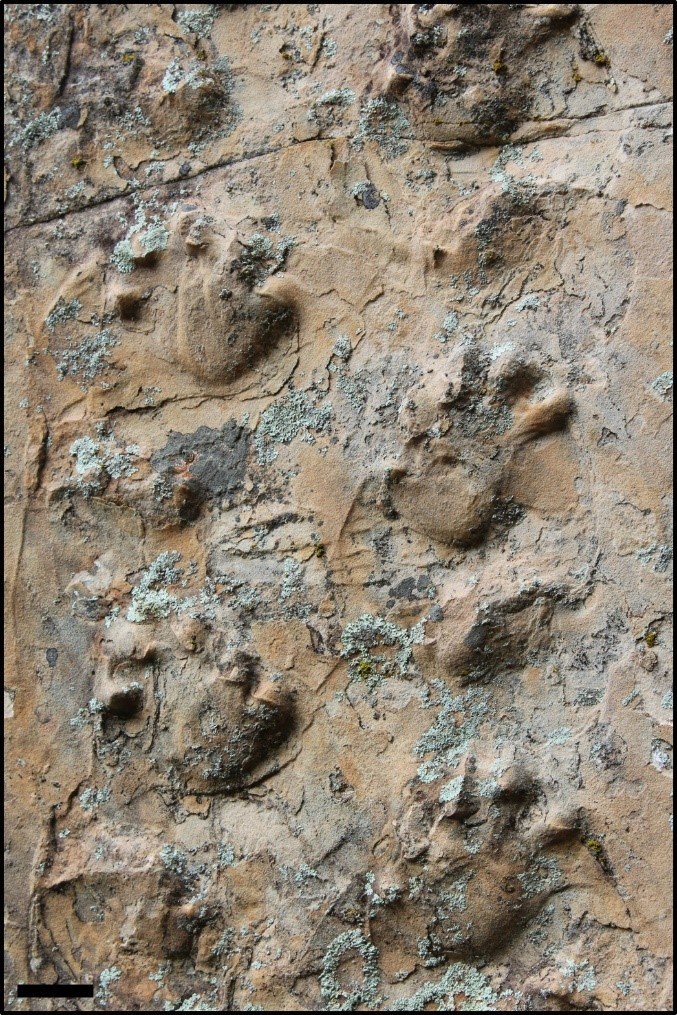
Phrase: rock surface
x=338 y=400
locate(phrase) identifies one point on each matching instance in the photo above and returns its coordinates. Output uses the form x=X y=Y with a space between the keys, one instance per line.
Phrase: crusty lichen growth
x=384 y=122
x=361 y=636
x=151 y=599
x=88 y=358
x=292 y=416
x=201 y=21
x=476 y=991
x=457 y=724
x=106 y=977
x=153 y=238
x=338 y=998
x=96 y=462
x=36 y=131
x=63 y=312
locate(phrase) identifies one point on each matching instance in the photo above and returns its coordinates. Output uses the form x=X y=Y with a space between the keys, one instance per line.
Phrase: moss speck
x=364 y=668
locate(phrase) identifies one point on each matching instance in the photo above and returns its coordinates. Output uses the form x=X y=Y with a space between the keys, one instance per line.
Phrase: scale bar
x=55 y=990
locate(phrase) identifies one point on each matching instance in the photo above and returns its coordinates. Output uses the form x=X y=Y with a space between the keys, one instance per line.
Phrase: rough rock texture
x=337 y=485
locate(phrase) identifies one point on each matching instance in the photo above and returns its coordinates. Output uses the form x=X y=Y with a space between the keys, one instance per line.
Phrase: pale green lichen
x=152 y=234
x=86 y=453
x=662 y=384
x=449 y=325
x=343 y=347
x=335 y=996
x=451 y=790
x=75 y=191
x=521 y=190
x=106 y=977
x=245 y=597
x=415 y=886
x=365 y=634
x=151 y=599
x=150 y=602
x=455 y=727
x=293 y=416
x=330 y=102
x=193 y=1003
x=224 y=946
x=174 y=859
x=261 y=258
x=582 y=974
x=63 y=312
x=152 y=239
x=96 y=462
x=660 y=755
x=354 y=387
x=91 y=798
x=301 y=876
x=542 y=875
x=173 y=77
x=155 y=238
x=384 y=122
x=472 y=841
x=93 y=456
x=588 y=696
x=662 y=553
x=455 y=897
x=225 y=856
x=37 y=131
x=337 y=97
x=375 y=901
x=429 y=949
x=159 y=975
x=123 y=258
x=88 y=359
x=529 y=302
x=470 y=983
x=40 y=12
x=201 y=21
x=292 y=589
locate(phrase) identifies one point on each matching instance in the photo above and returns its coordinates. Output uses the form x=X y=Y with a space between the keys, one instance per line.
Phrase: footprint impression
x=454 y=473
x=225 y=318
x=211 y=718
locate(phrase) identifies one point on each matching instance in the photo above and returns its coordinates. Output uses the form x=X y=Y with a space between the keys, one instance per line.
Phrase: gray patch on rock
x=217 y=458
x=405 y=589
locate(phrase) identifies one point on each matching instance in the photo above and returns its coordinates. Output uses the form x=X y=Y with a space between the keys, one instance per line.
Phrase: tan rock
x=337 y=432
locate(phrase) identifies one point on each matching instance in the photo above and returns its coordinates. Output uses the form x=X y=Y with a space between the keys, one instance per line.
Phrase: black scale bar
x=55 y=990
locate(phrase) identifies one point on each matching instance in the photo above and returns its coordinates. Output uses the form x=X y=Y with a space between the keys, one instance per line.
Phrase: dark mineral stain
x=52 y=656
x=70 y=115
x=370 y=197
x=216 y=459
x=405 y=589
